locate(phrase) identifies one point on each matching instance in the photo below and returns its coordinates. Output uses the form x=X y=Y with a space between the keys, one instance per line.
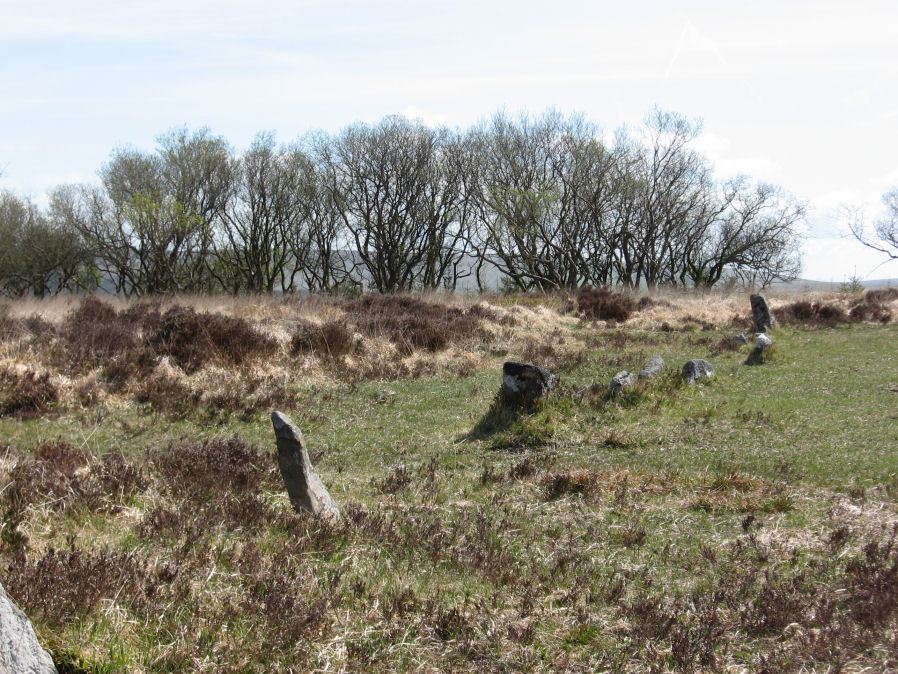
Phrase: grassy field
x=743 y=524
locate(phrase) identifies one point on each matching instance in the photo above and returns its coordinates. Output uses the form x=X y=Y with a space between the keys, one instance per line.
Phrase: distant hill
x=807 y=285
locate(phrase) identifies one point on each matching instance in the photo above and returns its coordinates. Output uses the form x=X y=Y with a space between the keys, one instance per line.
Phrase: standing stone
x=697 y=368
x=762 y=343
x=652 y=368
x=524 y=383
x=620 y=381
x=305 y=488
x=20 y=651
x=760 y=313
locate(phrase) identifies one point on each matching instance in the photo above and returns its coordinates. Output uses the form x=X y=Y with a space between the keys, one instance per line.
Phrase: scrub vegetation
x=746 y=522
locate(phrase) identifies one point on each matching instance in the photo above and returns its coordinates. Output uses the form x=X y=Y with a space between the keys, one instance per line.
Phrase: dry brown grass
x=169 y=353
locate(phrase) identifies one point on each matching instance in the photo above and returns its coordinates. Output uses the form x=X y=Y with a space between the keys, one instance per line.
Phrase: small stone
x=760 y=312
x=740 y=339
x=20 y=651
x=621 y=380
x=762 y=343
x=652 y=368
x=697 y=368
x=304 y=487
x=525 y=383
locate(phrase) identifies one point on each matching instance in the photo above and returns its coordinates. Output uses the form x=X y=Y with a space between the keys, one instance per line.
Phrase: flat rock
x=760 y=313
x=306 y=490
x=20 y=651
x=525 y=383
x=652 y=368
x=622 y=380
x=697 y=368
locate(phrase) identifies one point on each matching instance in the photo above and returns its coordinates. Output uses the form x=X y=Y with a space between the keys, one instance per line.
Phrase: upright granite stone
x=20 y=651
x=762 y=343
x=652 y=368
x=304 y=487
x=525 y=383
x=760 y=313
x=621 y=381
x=697 y=368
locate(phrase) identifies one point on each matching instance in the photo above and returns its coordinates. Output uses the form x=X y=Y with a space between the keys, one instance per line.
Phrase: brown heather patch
x=59 y=477
x=199 y=470
x=330 y=340
x=93 y=334
x=127 y=343
x=873 y=308
x=881 y=295
x=65 y=584
x=26 y=392
x=168 y=392
x=192 y=340
x=604 y=304
x=808 y=313
x=411 y=323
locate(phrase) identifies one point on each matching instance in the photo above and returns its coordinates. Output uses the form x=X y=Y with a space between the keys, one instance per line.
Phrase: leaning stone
x=652 y=368
x=760 y=313
x=762 y=343
x=525 y=383
x=620 y=381
x=697 y=368
x=304 y=487
x=20 y=651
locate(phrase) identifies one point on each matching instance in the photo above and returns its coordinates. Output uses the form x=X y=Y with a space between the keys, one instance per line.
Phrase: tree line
x=547 y=201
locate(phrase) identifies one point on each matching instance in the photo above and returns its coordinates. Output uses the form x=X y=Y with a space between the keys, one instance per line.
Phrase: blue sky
x=802 y=94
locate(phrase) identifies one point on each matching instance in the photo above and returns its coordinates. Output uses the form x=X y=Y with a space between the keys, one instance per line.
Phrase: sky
x=802 y=94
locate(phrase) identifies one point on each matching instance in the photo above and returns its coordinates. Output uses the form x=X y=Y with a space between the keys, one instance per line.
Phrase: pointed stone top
x=284 y=426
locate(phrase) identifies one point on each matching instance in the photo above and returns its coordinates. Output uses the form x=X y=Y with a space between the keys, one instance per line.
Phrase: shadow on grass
x=511 y=426
x=501 y=415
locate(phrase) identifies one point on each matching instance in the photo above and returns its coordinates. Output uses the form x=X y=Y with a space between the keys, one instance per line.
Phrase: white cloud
x=729 y=164
x=838 y=259
x=428 y=117
x=886 y=181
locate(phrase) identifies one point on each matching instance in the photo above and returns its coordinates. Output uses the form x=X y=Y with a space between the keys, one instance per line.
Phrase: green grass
x=554 y=540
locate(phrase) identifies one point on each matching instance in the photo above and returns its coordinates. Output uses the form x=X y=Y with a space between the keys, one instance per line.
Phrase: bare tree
x=152 y=225
x=265 y=207
x=542 y=193
x=396 y=198
x=884 y=237
x=321 y=247
x=752 y=234
x=398 y=205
